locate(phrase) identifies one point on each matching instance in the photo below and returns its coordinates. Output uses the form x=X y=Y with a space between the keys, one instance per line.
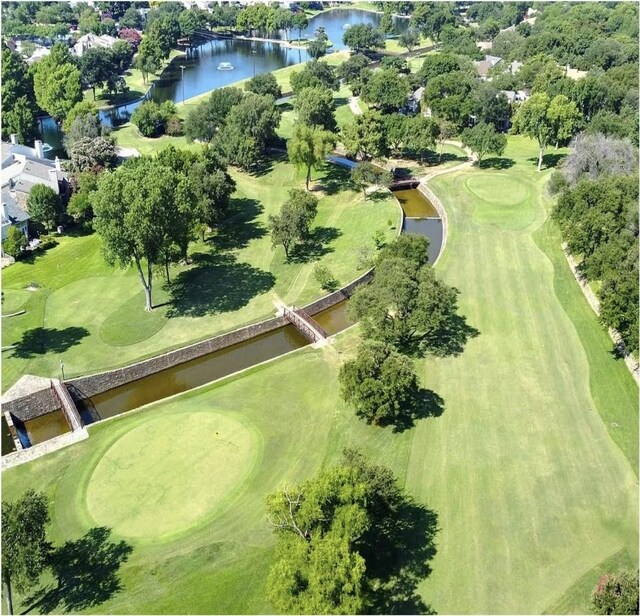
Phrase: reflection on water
x=334 y=319
x=47 y=426
x=7 y=441
x=195 y=372
x=415 y=204
x=429 y=227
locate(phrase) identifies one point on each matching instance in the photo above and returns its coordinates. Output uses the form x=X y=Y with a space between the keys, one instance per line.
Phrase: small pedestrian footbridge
x=303 y=321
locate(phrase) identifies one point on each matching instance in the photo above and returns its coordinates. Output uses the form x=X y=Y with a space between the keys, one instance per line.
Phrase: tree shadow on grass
x=315 y=246
x=451 y=338
x=425 y=403
x=398 y=551
x=86 y=572
x=41 y=340
x=549 y=161
x=335 y=179
x=240 y=227
x=217 y=284
x=496 y=163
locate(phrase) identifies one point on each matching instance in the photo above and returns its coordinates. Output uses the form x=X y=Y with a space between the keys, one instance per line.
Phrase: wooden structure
x=309 y=328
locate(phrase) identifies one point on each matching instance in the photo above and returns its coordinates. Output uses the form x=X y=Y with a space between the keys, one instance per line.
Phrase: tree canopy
x=314 y=106
x=363 y=37
x=365 y=137
x=309 y=147
x=483 y=139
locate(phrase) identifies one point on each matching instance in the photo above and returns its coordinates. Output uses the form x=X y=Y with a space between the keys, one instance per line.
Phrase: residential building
x=12 y=215
x=485 y=65
x=24 y=167
x=90 y=41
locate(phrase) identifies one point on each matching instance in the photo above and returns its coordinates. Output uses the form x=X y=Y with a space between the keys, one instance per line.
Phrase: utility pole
x=182 y=67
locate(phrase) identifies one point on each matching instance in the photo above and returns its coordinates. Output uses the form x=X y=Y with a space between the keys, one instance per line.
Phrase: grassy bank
x=93 y=317
x=535 y=496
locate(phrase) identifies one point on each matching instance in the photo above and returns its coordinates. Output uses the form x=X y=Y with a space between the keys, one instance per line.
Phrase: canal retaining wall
x=41 y=449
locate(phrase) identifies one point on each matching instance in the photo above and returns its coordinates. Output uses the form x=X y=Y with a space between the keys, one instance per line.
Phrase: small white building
x=91 y=41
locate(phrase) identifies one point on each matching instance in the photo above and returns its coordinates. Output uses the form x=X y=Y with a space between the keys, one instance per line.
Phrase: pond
x=201 y=72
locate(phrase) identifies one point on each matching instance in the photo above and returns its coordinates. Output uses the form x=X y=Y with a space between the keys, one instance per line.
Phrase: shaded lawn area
x=92 y=316
x=533 y=492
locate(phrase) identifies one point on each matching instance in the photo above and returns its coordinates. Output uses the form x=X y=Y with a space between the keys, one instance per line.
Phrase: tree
x=131 y=19
x=92 y=154
x=292 y=224
x=387 y=90
x=447 y=130
x=414 y=248
x=81 y=109
x=250 y=126
x=408 y=307
x=616 y=594
x=314 y=74
x=380 y=383
x=397 y=127
x=422 y=134
x=79 y=206
x=438 y=64
x=149 y=58
x=284 y=20
x=132 y=37
x=43 y=205
x=317 y=49
x=596 y=155
x=409 y=39
x=164 y=31
x=490 y=105
x=366 y=174
x=15 y=242
x=25 y=549
x=84 y=126
x=431 y=17
x=449 y=97
x=264 y=84
x=207 y=118
x=141 y=211
x=351 y=68
x=386 y=23
x=309 y=147
x=96 y=67
x=300 y=21
x=348 y=541
x=314 y=107
x=190 y=21
x=18 y=100
x=57 y=83
x=537 y=119
x=484 y=139
x=365 y=137
x=148 y=118
x=362 y=37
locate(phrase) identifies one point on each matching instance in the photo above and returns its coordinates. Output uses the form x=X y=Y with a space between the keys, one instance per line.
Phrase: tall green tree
x=431 y=17
x=314 y=107
x=149 y=58
x=300 y=21
x=366 y=174
x=25 y=549
x=317 y=49
x=484 y=139
x=362 y=37
x=141 y=210
x=380 y=384
x=18 y=99
x=365 y=137
x=57 y=82
x=313 y=74
x=409 y=39
x=264 y=83
x=293 y=222
x=203 y=122
x=43 y=205
x=387 y=90
x=309 y=147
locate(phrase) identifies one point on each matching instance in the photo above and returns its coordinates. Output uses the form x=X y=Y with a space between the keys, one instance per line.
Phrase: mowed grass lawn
x=92 y=316
x=534 y=488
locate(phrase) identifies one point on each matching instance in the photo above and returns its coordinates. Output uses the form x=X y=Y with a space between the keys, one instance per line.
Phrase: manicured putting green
x=167 y=473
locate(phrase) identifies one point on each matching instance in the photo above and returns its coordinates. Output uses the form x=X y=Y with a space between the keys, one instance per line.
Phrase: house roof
x=417 y=95
x=12 y=213
x=21 y=172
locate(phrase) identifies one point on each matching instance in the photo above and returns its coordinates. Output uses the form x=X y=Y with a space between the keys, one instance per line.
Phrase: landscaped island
x=469 y=445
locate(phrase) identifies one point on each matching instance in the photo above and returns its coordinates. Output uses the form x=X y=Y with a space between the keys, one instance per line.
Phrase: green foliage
x=314 y=106
x=292 y=224
x=460 y=41
x=413 y=248
x=142 y=210
x=450 y=97
x=164 y=31
x=203 y=122
x=314 y=74
x=15 y=242
x=148 y=118
x=351 y=69
x=366 y=174
x=131 y=19
x=79 y=206
x=431 y=17
x=599 y=220
x=92 y=154
x=57 y=83
x=365 y=137
x=25 y=549
x=438 y=64
x=407 y=307
x=616 y=594
x=490 y=105
x=422 y=134
x=309 y=147
x=387 y=90
x=149 y=57
x=324 y=277
x=18 y=100
x=409 y=39
x=342 y=543
x=398 y=128
x=249 y=128
x=484 y=139
x=264 y=83
x=363 y=37
x=380 y=384
x=43 y=205
x=317 y=49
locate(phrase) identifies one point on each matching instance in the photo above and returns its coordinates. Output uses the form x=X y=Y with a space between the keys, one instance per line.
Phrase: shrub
x=557 y=183
x=325 y=277
x=616 y=594
x=15 y=243
x=173 y=126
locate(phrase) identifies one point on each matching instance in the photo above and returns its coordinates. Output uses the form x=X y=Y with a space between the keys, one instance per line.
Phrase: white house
x=90 y=41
